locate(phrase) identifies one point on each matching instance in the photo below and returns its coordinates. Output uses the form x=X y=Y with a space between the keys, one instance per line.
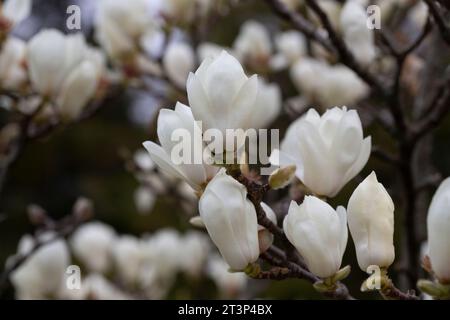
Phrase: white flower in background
x=64 y=69
x=328 y=150
x=291 y=46
x=337 y=81
x=12 y=60
x=96 y=287
x=144 y=199
x=162 y=252
x=438 y=222
x=211 y=50
x=15 y=11
x=358 y=38
x=230 y=219
x=419 y=13
x=253 y=43
x=92 y=244
x=178 y=62
x=42 y=275
x=196 y=175
x=143 y=160
x=221 y=95
x=265 y=237
x=128 y=258
x=121 y=26
x=268 y=104
x=319 y=233
x=229 y=284
x=327 y=85
x=370 y=214
x=194 y=251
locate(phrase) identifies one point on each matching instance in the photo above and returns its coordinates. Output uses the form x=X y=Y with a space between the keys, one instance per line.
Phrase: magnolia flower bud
x=193 y=172
x=438 y=223
x=328 y=151
x=281 y=177
x=182 y=11
x=92 y=244
x=194 y=251
x=64 y=69
x=265 y=237
x=291 y=46
x=127 y=254
x=357 y=36
x=178 y=61
x=221 y=95
x=253 y=43
x=41 y=276
x=230 y=219
x=15 y=10
x=319 y=233
x=121 y=26
x=12 y=71
x=371 y=222
x=327 y=85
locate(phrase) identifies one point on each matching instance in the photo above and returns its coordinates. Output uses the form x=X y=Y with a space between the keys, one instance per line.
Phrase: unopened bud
x=36 y=214
x=434 y=289
x=83 y=209
x=281 y=177
x=197 y=222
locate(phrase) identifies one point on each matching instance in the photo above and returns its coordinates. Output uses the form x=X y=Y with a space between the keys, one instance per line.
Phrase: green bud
x=281 y=177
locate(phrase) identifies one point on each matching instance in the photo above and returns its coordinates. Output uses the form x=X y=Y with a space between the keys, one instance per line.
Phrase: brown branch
x=442 y=25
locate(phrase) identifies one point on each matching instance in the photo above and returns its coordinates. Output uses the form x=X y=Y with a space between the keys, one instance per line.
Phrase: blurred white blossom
x=42 y=275
x=178 y=62
x=92 y=244
x=15 y=10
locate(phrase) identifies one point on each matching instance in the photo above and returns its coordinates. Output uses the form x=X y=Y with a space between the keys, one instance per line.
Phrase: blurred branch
x=442 y=25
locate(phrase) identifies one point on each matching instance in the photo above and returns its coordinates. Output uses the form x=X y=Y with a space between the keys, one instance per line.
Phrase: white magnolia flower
x=96 y=287
x=439 y=232
x=265 y=237
x=162 y=252
x=327 y=85
x=42 y=275
x=357 y=36
x=193 y=253
x=371 y=222
x=229 y=284
x=291 y=46
x=319 y=233
x=221 y=95
x=128 y=258
x=15 y=10
x=268 y=104
x=121 y=26
x=92 y=244
x=178 y=62
x=64 y=69
x=230 y=219
x=253 y=43
x=328 y=151
x=12 y=57
x=169 y=121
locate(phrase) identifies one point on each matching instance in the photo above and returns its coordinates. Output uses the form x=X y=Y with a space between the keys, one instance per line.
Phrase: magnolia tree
x=261 y=141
